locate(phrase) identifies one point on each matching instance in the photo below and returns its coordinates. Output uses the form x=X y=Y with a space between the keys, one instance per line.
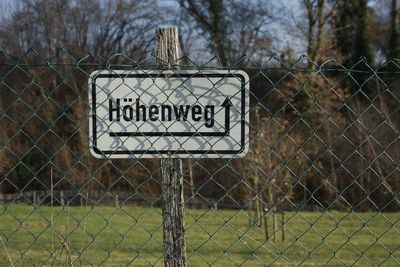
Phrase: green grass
x=116 y=237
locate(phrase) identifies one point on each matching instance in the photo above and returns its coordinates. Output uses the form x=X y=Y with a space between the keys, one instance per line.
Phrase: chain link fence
x=319 y=185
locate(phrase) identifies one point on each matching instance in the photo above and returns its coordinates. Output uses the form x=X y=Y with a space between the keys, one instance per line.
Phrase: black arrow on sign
x=227 y=104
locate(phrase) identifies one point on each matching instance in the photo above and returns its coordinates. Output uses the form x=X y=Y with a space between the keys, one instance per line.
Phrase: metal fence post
x=171 y=171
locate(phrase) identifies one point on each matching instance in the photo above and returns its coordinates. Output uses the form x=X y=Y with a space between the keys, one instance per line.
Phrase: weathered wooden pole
x=283 y=225
x=171 y=170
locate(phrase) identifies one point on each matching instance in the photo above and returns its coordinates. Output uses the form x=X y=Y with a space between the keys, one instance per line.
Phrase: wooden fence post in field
x=283 y=225
x=35 y=201
x=171 y=170
x=117 y=201
x=62 y=198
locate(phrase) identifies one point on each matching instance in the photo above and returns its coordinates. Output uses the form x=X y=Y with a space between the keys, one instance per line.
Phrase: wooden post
x=62 y=198
x=192 y=193
x=35 y=201
x=283 y=225
x=274 y=224
x=265 y=213
x=117 y=201
x=171 y=170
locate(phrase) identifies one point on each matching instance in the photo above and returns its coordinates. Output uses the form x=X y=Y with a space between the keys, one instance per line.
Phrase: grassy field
x=109 y=236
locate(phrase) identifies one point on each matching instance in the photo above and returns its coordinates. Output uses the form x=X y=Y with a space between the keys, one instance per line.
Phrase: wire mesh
x=319 y=185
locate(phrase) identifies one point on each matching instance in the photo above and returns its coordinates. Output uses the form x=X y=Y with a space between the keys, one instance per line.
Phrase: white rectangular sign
x=159 y=114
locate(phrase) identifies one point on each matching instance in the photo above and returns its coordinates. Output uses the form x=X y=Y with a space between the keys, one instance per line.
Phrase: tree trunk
x=192 y=193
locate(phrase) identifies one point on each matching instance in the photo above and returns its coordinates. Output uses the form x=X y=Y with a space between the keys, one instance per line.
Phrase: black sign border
x=105 y=153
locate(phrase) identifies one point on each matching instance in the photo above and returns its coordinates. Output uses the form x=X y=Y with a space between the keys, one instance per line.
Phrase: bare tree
x=318 y=13
x=55 y=95
x=80 y=26
x=232 y=28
